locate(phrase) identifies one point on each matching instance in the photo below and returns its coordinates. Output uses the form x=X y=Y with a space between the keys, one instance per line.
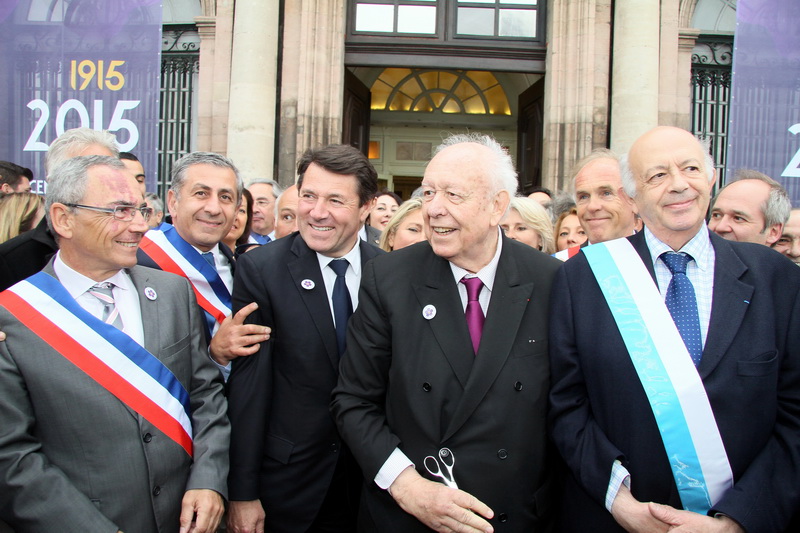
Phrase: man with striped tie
x=113 y=415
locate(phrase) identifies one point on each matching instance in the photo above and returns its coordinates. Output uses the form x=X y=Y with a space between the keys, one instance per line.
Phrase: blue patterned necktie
x=682 y=303
x=342 y=306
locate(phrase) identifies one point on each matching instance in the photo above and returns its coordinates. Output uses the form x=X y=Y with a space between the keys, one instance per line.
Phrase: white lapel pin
x=150 y=293
x=428 y=312
x=307 y=284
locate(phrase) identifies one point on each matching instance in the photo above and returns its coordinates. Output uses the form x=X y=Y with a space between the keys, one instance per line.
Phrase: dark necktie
x=342 y=306
x=473 y=312
x=102 y=291
x=682 y=303
x=209 y=257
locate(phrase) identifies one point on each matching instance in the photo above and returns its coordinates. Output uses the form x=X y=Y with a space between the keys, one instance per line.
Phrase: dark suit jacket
x=74 y=458
x=415 y=383
x=750 y=370
x=26 y=254
x=373 y=235
x=284 y=444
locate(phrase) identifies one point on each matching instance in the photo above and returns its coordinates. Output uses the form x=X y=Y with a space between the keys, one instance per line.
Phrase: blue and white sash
x=173 y=254
x=676 y=393
x=107 y=355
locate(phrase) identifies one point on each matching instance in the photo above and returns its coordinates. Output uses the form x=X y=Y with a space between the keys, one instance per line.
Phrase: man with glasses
x=113 y=416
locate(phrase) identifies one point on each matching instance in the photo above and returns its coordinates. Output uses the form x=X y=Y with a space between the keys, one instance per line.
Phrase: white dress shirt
x=352 y=276
x=124 y=292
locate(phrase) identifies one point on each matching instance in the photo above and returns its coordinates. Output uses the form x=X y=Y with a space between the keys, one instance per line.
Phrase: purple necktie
x=474 y=313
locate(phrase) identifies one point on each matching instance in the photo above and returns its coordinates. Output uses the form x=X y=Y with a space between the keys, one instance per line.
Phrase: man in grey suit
x=446 y=363
x=113 y=415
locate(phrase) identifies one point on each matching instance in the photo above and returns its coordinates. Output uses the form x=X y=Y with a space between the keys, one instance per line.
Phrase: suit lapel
x=506 y=309
x=305 y=266
x=729 y=304
x=448 y=325
x=149 y=310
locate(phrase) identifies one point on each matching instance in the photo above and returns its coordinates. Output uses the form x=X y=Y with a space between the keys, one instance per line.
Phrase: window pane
x=416 y=19
x=404 y=151
x=519 y=2
x=374 y=17
x=517 y=23
x=475 y=21
x=476 y=1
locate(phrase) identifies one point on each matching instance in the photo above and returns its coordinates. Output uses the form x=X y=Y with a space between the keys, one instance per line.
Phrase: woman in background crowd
x=238 y=236
x=386 y=205
x=528 y=222
x=405 y=227
x=568 y=230
x=19 y=212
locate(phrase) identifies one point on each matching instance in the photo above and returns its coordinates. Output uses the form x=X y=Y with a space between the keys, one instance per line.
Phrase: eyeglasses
x=123 y=213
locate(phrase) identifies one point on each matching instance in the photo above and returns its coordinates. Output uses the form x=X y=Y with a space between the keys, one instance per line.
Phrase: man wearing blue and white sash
x=205 y=192
x=113 y=417
x=674 y=365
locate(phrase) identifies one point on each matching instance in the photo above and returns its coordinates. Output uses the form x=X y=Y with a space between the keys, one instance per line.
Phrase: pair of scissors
x=446 y=459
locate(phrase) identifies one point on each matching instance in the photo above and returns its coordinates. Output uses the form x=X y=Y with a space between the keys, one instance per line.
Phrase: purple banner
x=71 y=63
x=764 y=131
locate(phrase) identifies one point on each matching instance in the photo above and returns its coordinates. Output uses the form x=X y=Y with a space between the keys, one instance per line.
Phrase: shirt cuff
x=225 y=370
x=392 y=468
x=619 y=475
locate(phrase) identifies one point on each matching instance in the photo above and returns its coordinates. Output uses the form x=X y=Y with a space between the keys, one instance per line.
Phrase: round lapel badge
x=307 y=284
x=150 y=293
x=428 y=312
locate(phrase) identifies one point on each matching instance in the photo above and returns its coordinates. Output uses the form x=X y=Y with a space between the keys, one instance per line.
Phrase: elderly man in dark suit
x=675 y=371
x=287 y=458
x=446 y=364
x=113 y=415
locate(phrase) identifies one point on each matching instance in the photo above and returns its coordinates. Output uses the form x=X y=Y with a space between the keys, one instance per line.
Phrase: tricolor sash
x=104 y=353
x=567 y=253
x=674 y=389
x=172 y=254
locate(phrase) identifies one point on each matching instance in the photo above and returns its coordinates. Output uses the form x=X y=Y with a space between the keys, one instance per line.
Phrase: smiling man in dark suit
x=113 y=415
x=675 y=371
x=291 y=472
x=448 y=350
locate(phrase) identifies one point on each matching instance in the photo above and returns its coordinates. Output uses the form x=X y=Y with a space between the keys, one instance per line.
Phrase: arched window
x=469 y=92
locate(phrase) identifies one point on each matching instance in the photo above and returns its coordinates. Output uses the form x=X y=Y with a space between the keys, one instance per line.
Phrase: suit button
x=426 y=387
x=147 y=437
x=156 y=490
x=503 y=517
x=502 y=453
x=334 y=447
x=518 y=386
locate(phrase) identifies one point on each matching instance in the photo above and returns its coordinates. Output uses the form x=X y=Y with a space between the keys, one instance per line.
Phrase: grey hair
x=69 y=143
x=503 y=176
x=629 y=180
x=68 y=181
x=182 y=165
x=594 y=155
x=776 y=209
x=276 y=188
x=156 y=201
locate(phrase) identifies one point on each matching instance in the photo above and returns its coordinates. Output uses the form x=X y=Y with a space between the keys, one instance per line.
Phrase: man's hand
x=201 y=511
x=234 y=338
x=634 y=515
x=2 y=336
x=246 y=517
x=439 y=507
x=689 y=522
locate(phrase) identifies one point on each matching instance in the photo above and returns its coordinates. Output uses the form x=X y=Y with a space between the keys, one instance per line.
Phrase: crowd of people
x=621 y=356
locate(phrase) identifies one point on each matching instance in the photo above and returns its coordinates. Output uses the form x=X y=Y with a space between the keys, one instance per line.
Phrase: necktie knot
x=474 y=286
x=676 y=262
x=102 y=291
x=339 y=266
x=209 y=257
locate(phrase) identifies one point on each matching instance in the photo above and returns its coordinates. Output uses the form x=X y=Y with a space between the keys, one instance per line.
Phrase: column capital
x=206 y=26
x=687 y=37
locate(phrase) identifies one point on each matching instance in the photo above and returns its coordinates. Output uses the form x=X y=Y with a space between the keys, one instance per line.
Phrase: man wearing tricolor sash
x=675 y=397
x=205 y=192
x=113 y=417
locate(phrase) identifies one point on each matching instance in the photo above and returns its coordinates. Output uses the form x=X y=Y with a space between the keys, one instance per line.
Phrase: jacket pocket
x=763 y=365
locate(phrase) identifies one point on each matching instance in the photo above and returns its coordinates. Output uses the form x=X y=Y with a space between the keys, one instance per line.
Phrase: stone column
x=206 y=27
x=687 y=38
x=635 y=76
x=312 y=79
x=220 y=85
x=253 y=86
x=576 y=85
